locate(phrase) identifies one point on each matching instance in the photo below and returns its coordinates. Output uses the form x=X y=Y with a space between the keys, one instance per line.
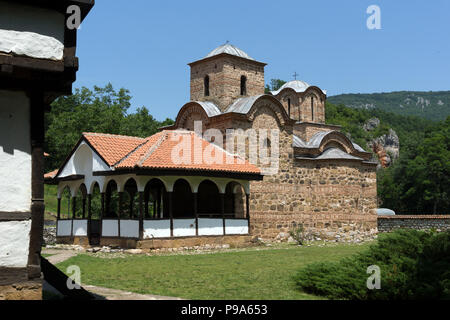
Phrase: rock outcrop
x=386 y=147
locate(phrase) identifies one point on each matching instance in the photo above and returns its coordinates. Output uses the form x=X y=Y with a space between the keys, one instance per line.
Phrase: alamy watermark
x=74 y=279
x=74 y=19
x=374 y=20
x=374 y=280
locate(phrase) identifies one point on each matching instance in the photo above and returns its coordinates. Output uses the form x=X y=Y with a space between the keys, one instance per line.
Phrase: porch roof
x=168 y=150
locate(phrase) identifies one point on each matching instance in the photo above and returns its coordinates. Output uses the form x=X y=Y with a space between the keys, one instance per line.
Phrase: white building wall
x=15 y=152
x=14 y=243
x=32 y=32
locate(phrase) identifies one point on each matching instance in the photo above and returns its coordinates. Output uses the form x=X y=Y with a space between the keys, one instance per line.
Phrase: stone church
x=323 y=181
x=262 y=165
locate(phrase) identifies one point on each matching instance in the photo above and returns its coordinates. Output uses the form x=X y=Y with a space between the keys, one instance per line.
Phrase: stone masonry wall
x=418 y=222
x=225 y=78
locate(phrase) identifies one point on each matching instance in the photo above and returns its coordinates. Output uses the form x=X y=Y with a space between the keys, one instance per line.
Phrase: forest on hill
x=417 y=182
x=429 y=105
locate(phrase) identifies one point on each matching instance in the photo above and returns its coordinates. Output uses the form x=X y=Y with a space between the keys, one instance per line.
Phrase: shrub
x=414 y=265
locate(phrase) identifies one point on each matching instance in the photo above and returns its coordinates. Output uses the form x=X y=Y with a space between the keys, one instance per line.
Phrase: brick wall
x=225 y=78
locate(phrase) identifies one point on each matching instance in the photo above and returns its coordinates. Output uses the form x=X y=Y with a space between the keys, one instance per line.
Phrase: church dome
x=230 y=49
x=296 y=85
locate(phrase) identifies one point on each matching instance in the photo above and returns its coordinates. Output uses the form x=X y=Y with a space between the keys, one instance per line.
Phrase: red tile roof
x=51 y=175
x=113 y=148
x=161 y=151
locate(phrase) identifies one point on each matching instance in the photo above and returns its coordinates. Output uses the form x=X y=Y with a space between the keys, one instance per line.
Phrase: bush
x=414 y=265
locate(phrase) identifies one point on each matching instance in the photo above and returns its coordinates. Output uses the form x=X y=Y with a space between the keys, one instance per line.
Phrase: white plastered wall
x=14 y=243
x=15 y=152
x=30 y=31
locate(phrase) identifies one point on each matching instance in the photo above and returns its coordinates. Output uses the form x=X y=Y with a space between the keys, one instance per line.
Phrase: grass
x=249 y=274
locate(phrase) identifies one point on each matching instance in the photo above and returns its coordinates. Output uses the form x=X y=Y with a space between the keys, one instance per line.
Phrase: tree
x=274 y=85
x=99 y=110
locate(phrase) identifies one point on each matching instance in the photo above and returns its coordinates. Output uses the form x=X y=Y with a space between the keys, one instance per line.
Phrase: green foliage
x=428 y=105
x=419 y=181
x=274 y=85
x=99 y=110
x=414 y=265
x=298 y=234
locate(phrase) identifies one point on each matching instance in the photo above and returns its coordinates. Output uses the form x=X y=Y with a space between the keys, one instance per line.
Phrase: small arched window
x=206 y=85
x=312 y=108
x=243 y=86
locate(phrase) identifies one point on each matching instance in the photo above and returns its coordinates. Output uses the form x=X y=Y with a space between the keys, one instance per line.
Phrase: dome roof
x=296 y=85
x=230 y=49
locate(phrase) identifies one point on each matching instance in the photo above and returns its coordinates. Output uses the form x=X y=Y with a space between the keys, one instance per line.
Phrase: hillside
x=428 y=105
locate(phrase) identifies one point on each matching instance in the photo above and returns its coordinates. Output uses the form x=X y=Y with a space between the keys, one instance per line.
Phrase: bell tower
x=224 y=75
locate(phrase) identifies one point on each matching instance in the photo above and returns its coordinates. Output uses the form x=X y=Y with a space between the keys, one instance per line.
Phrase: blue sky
x=145 y=46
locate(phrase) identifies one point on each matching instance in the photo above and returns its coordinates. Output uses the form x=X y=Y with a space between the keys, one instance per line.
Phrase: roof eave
x=224 y=54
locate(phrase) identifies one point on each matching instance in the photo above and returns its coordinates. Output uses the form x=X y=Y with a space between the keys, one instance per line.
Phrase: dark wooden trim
x=181 y=172
x=37 y=107
x=12 y=275
x=32 y=63
x=60 y=5
x=222 y=210
x=59 y=209
x=171 y=212
x=119 y=213
x=247 y=205
x=89 y=196
x=83 y=214
x=195 y=194
x=141 y=215
x=15 y=216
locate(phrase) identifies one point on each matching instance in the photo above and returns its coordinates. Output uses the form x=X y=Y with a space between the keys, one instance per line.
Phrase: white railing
x=160 y=228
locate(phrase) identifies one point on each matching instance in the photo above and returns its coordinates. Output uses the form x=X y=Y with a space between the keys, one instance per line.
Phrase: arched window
x=243 y=86
x=206 y=85
x=312 y=108
x=289 y=107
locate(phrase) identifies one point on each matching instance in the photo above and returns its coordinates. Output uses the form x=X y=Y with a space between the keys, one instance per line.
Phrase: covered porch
x=144 y=207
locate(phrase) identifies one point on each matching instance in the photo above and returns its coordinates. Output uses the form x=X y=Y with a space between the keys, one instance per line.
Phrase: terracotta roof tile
x=113 y=148
x=160 y=152
x=51 y=175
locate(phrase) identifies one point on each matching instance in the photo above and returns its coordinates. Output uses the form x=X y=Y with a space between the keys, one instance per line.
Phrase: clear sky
x=145 y=46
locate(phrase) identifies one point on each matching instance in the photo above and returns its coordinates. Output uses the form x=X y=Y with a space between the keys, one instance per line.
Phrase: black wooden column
x=247 y=206
x=169 y=194
x=141 y=215
x=74 y=209
x=158 y=203
x=119 y=213
x=84 y=208
x=59 y=209
x=146 y=198
x=131 y=203
x=195 y=194
x=37 y=133
x=102 y=212
x=222 y=209
x=89 y=214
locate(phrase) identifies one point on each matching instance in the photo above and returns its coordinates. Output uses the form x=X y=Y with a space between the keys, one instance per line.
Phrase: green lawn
x=250 y=274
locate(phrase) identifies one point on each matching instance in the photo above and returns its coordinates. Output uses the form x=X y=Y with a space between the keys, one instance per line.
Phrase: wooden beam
x=141 y=215
x=222 y=209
